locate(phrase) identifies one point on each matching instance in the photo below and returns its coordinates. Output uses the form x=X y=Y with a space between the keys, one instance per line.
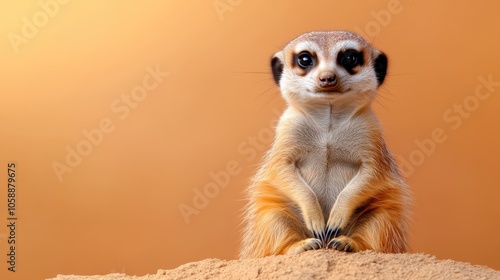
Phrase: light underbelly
x=327 y=177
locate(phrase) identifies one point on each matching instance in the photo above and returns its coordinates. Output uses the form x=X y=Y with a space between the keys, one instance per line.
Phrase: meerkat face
x=329 y=65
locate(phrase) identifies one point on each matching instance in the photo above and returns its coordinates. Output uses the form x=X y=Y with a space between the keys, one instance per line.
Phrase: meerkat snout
x=327 y=80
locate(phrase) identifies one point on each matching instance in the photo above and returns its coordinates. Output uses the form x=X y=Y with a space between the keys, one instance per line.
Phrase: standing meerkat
x=328 y=181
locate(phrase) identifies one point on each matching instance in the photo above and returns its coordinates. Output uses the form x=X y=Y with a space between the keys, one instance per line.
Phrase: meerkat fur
x=328 y=181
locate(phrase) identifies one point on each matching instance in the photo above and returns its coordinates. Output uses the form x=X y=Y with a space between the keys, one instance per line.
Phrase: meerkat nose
x=327 y=79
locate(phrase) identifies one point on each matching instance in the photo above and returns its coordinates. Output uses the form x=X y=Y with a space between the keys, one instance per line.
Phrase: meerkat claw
x=334 y=244
x=312 y=244
x=347 y=248
x=336 y=233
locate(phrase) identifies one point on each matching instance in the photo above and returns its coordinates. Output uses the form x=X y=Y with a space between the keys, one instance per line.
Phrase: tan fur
x=328 y=181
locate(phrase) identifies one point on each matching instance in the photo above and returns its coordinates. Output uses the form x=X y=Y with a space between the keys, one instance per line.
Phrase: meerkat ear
x=277 y=66
x=380 y=66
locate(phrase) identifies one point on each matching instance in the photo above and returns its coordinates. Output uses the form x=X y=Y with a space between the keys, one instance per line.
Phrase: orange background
x=118 y=210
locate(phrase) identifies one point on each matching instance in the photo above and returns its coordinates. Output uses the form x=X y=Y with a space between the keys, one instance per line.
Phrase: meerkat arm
x=285 y=214
x=291 y=183
x=351 y=197
x=369 y=214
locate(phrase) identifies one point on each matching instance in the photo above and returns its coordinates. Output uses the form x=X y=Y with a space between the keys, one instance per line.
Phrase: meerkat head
x=329 y=66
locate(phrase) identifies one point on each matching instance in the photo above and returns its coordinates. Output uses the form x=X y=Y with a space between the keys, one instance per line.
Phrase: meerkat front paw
x=305 y=245
x=320 y=235
x=317 y=227
x=343 y=243
x=337 y=222
x=331 y=232
x=333 y=229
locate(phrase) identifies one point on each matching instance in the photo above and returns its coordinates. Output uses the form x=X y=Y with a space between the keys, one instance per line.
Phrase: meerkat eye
x=350 y=59
x=304 y=60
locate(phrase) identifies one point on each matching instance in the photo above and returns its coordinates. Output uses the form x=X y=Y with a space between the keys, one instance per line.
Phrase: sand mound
x=321 y=264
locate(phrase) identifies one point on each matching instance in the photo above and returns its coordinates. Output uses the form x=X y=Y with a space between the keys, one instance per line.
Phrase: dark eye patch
x=304 y=60
x=350 y=59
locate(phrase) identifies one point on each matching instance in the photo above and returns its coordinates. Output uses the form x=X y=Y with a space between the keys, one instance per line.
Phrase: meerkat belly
x=328 y=169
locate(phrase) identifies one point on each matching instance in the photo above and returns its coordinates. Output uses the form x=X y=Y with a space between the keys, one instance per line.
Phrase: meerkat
x=328 y=180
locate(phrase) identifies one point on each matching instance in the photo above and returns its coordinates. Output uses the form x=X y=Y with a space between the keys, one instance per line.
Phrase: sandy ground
x=320 y=264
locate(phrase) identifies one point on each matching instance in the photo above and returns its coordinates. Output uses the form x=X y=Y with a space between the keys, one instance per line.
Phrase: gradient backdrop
x=111 y=150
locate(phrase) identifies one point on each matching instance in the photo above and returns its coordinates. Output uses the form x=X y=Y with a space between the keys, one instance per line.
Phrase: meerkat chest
x=330 y=155
x=328 y=143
